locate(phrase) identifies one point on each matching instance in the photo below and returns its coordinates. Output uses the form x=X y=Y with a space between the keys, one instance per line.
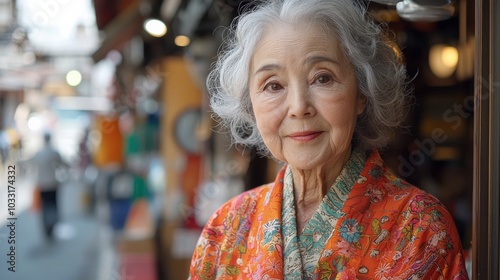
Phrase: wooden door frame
x=486 y=193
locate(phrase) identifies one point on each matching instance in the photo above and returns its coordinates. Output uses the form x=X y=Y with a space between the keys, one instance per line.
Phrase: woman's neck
x=310 y=186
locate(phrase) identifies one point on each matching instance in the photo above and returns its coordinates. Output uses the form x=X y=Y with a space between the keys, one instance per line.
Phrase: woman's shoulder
x=379 y=182
x=397 y=193
x=407 y=206
x=380 y=191
x=244 y=204
x=405 y=223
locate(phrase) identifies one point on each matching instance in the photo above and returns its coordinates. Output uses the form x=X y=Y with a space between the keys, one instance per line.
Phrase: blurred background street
x=81 y=249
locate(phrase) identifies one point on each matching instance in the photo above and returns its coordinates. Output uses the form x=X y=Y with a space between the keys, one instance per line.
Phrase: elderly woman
x=316 y=85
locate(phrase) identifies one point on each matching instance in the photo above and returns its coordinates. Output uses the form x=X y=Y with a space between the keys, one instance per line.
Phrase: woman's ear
x=361 y=103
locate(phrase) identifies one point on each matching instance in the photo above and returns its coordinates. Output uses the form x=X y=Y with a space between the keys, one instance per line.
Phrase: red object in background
x=190 y=180
x=36 y=202
x=106 y=10
x=190 y=222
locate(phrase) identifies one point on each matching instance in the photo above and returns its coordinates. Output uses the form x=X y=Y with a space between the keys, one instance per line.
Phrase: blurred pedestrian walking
x=47 y=163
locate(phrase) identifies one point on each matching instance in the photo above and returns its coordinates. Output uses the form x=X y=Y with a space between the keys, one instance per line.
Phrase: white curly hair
x=381 y=75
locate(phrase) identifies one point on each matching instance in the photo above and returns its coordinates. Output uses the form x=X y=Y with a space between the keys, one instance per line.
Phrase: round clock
x=185 y=130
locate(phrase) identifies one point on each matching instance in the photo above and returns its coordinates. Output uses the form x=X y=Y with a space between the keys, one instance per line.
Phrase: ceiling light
x=433 y=3
x=422 y=10
x=182 y=40
x=443 y=60
x=73 y=78
x=410 y=11
x=155 y=27
x=387 y=2
x=429 y=3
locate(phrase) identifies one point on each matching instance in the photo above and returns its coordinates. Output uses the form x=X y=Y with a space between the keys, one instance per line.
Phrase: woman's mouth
x=304 y=136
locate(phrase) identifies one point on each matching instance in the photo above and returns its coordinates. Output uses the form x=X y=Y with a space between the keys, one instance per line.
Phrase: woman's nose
x=299 y=101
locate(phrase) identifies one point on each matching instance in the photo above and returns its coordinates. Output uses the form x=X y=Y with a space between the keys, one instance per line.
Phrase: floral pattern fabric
x=300 y=258
x=386 y=229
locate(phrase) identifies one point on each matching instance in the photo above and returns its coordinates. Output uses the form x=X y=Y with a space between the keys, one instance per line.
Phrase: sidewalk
x=77 y=252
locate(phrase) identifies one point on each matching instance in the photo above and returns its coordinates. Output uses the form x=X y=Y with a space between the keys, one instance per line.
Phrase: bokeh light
x=155 y=27
x=182 y=41
x=74 y=78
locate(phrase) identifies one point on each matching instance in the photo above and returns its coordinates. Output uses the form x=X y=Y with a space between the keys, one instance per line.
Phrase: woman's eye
x=323 y=79
x=273 y=87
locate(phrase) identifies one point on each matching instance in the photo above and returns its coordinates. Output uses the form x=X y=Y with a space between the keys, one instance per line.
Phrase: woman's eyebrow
x=268 y=67
x=310 y=60
x=320 y=58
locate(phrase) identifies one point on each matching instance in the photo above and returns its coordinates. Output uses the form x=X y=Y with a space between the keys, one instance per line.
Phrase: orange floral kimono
x=370 y=225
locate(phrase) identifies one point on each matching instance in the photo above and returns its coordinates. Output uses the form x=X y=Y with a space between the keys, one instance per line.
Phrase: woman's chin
x=305 y=164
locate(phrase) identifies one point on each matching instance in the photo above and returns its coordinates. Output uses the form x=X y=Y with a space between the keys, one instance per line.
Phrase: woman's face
x=304 y=95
